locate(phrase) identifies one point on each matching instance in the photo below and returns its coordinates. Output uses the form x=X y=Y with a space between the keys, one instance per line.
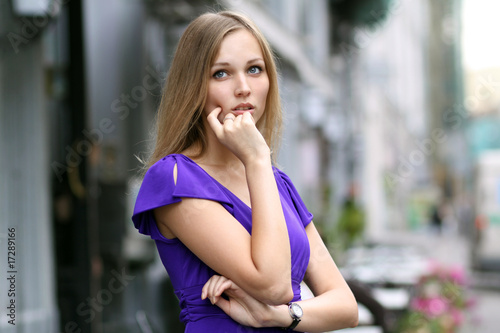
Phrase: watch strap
x=293 y=324
x=295 y=321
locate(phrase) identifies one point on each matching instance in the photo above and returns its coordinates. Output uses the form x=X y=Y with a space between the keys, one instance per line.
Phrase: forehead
x=239 y=44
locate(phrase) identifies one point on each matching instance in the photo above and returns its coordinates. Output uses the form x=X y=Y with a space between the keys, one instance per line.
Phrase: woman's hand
x=239 y=134
x=241 y=307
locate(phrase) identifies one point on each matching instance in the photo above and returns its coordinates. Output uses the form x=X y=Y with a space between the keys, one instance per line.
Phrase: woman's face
x=238 y=79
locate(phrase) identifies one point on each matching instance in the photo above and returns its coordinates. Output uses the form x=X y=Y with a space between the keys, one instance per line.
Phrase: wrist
x=296 y=313
x=278 y=316
x=258 y=161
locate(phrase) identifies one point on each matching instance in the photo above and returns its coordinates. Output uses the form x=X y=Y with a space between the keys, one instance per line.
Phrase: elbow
x=349 y=312
x=353 y=315
x=277 y=294
x=354 y=321
x=274 y=289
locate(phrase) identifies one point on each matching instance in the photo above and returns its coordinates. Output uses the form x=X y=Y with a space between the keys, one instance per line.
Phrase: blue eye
x=219 y=74
x=255 y=70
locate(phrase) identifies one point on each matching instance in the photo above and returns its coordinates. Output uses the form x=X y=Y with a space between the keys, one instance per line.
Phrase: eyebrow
x=251 y=61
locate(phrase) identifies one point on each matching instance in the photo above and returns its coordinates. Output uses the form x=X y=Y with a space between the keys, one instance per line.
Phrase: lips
x=243 y=107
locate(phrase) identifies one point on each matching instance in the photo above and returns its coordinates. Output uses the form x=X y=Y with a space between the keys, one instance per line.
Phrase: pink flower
x=457 y=316
x=440 y=296
x=418 y=304
x=436 y=307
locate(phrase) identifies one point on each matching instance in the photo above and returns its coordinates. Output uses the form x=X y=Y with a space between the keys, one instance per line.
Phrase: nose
x=242 y=86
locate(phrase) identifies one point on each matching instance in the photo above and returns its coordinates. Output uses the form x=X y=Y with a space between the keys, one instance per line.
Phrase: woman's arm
x=333 y=307
x=260 y=264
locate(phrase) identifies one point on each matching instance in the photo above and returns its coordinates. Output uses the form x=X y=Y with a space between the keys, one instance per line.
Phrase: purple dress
x=188 y=274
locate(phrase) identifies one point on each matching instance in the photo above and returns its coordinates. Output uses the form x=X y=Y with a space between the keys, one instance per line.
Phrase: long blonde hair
x=179 y=122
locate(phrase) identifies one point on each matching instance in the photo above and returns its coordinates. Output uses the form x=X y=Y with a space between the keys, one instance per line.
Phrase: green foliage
x=351 y=223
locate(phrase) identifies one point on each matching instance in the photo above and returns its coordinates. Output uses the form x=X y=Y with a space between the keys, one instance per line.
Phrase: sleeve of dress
x=159 y=189
x=305 y=215
x=156 y=190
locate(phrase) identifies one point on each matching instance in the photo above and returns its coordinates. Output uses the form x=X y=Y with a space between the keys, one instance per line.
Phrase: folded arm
x=333 y=307
x=259 y=264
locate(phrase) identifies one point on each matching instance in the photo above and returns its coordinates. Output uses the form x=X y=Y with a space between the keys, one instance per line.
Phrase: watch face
x=297 y=310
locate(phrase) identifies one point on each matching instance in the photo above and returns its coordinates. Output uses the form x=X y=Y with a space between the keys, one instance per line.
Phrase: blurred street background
x=391 y=135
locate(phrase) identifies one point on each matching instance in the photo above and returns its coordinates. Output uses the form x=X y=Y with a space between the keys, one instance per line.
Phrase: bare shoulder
x=184 y=215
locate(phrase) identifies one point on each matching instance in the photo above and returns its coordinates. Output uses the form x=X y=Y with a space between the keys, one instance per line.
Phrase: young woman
x=231 y=230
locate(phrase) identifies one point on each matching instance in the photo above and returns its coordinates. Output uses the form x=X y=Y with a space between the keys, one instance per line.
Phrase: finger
x=220 y=285
x=208 y=286
x=229 y=118
x=224 y=304
x=237 y=119
x=223 y=286
x=204 y=290
x=247 y=116
x=214 y=286
x=214 y=122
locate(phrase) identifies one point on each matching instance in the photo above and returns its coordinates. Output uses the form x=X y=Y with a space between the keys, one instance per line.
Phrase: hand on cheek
x=239 y=134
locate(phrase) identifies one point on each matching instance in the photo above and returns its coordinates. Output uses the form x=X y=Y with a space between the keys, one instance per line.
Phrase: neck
x=215 y=154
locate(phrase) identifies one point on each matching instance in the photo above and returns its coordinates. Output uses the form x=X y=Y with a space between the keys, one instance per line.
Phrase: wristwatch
x=296 y=313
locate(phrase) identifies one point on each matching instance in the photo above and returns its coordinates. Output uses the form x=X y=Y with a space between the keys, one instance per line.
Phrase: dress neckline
x=215 y=180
